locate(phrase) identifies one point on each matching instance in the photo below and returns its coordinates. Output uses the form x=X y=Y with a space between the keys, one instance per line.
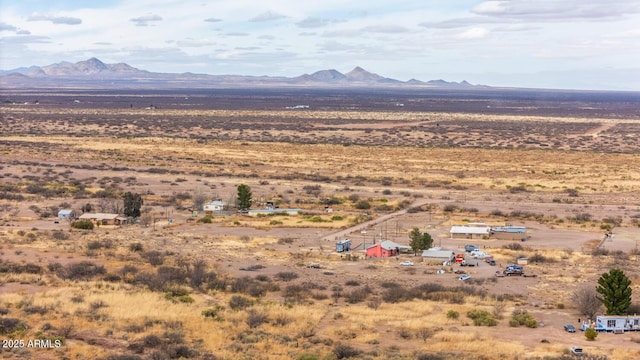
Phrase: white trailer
x=614 y=323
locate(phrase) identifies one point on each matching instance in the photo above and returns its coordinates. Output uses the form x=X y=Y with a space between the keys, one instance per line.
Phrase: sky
x=562 y=44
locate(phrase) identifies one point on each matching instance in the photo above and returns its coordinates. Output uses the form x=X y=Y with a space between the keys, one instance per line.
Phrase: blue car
x=569 y=328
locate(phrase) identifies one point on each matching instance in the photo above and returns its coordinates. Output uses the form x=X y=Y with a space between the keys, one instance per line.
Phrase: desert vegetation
x=175 y=282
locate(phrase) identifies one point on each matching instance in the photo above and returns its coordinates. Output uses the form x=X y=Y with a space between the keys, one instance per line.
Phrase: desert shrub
x=171 y=274
x=151 y=340
x=83 y=270
x=178 y=295
x=256 y=318
x=356 y=296
x=294 y=294
x=352 y=283
x=600 y=252
x=123 y=357
x=482 y=318
x=337 y=218
x=285 y=240
x=82 y=224
x=238 y=302
x=383 y=207
x=205 y=219
x=344 y=351
x=591 y=334
x=449 y=208
x=154 y=257
x=497 y=212
x=517 y=189
x=94 y=245
x=35 y=309
x=213 y=313
x=514 y=246
x=307 y=356
x=541 y=259
x=581 y=217
x=286 y=276
x=521 y=317
x=59 y=235
x=452 y=314
x=363 y=205
x=136 y=247
x=10 y=325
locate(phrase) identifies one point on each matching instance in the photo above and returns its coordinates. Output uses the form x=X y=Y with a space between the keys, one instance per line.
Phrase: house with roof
x=508 y=232
x=215 y=206
x=437 y=256
x=386 y=248
x=470 y=231
x=104 y=218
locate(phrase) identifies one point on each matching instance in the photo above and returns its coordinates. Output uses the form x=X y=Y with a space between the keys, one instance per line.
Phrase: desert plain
x=359 y=164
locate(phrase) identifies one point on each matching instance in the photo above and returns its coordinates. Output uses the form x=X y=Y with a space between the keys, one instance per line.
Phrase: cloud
x=212 y=20
x=66 y=20
x=473 y=33
x=552 y=10
x=194 y=43
x=24 y=39
x=145 y=20
x=23 y=32
x=7 y=27
x=236 y=34
x=463 y=22
x=387 y=29
x=267 y=16
x=312 y=22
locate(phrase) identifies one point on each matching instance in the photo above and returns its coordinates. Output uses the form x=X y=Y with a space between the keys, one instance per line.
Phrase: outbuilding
x=508 y=232
x=436 y=256
x=470 y=231
x=66 y=214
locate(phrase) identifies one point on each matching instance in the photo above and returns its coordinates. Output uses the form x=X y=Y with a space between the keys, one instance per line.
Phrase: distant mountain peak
x=94 y=71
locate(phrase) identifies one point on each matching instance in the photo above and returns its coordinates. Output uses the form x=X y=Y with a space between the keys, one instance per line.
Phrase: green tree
x=132 y=204
x=244 y=197
x=419 y=241
x=615 y=288
x=590 y=334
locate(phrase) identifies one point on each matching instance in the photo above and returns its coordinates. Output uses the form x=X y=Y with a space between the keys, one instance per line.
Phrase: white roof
x=483 y=230
x=388 y=244
x=99 y=216
x=438 y=253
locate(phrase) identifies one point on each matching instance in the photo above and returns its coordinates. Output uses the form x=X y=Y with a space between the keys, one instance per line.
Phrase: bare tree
x=199 y=198
x=587 y=302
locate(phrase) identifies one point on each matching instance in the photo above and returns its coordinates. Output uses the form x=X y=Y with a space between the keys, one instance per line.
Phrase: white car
x=406 y=263
x=464 y=277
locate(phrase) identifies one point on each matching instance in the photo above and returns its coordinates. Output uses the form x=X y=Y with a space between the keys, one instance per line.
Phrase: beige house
x=104 y=218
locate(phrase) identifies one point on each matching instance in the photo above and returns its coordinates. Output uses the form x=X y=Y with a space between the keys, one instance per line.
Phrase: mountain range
x=95 y=73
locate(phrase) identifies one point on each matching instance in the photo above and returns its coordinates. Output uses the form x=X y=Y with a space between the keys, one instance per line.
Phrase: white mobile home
x=614 y=323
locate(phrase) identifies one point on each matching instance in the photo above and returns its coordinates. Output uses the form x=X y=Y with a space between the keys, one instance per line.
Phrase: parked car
x=464 y=277
x=569 y=328
x=576 y=350
x=492 y=262
x=406 y=263
x=469 y=248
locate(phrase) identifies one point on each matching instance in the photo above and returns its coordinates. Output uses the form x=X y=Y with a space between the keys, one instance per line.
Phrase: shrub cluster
x=482 y=318
x=521 y=317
